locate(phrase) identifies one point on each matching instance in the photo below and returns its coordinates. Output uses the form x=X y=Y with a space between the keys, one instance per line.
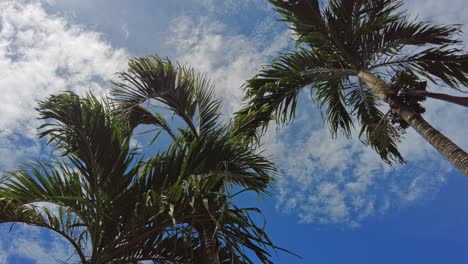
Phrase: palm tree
x=114 y=205
x=212 y=160
x=356 y=55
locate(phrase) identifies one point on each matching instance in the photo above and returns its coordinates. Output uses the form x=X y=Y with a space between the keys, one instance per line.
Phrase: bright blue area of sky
x=431 y=231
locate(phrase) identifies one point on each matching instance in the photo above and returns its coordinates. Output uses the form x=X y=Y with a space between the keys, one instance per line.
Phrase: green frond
x=139 y=115
x=376 y=129
x=203 y=201
x=43 y=182
x=60 y=220
x=95 y=142
x=182 y=90
x=336 y=29
x=47 y=196
x=305 y=19
x=450 y=65
x=391 y=39
x=209 y=107
x=272 y=94
x=330 y=97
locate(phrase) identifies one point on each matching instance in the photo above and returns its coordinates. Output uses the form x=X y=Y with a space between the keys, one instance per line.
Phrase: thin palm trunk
x=453 y=153
x=209 y=244
x=463 y=101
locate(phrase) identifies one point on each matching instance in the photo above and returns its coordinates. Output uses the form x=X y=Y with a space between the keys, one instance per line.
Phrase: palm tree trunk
x=463 y=101
x=453 y=153
x=457 y=156
x=209 y=244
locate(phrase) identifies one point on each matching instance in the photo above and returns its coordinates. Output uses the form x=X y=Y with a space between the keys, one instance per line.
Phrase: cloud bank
x=42 y=54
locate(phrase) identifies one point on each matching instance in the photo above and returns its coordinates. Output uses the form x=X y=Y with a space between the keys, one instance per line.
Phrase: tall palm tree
x=114 y=205
x=206 y=159
x=356 y=55
x=211 y=153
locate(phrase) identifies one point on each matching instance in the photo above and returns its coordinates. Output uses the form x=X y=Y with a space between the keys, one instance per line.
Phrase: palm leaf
x=185 y=92
x=273 y=93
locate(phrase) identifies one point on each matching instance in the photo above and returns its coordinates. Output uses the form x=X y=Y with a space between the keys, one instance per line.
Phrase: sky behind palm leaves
x=334 y=202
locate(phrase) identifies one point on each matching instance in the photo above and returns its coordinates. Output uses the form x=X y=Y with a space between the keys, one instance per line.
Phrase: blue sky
x=335 y=201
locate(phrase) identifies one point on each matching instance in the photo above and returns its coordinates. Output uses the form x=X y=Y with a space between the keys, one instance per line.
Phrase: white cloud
x=30 y=242
x=125 y=30
x=438 y=11
x=229 y=59
x=233 y=6
x=42 y=54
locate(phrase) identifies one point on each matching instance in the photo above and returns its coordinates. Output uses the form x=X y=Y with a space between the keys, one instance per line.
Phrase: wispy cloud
x=125 y=30
x=34 y=243
x=228 y=59
x=233 y=6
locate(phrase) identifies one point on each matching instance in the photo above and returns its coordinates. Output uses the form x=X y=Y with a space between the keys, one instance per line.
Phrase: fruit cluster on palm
x=113 y=205
x=348 y=52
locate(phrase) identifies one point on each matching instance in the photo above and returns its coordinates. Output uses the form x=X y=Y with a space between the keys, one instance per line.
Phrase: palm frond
x=43 y=182
x=330 y=96
x=376 y=129
x=41 y=195
x=337 y=41
x=96 y=142
x=273 y=93
x=203 y=201
x=188 y=94
x=61 y=220
x=131 y=208
x=450 y=65
x=391 y=39
x=207 y=104
x=139 y=115
x=304 y=18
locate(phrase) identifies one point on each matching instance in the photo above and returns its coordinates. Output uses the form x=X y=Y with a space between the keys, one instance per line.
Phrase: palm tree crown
x=213 y=155
x=349 y=51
